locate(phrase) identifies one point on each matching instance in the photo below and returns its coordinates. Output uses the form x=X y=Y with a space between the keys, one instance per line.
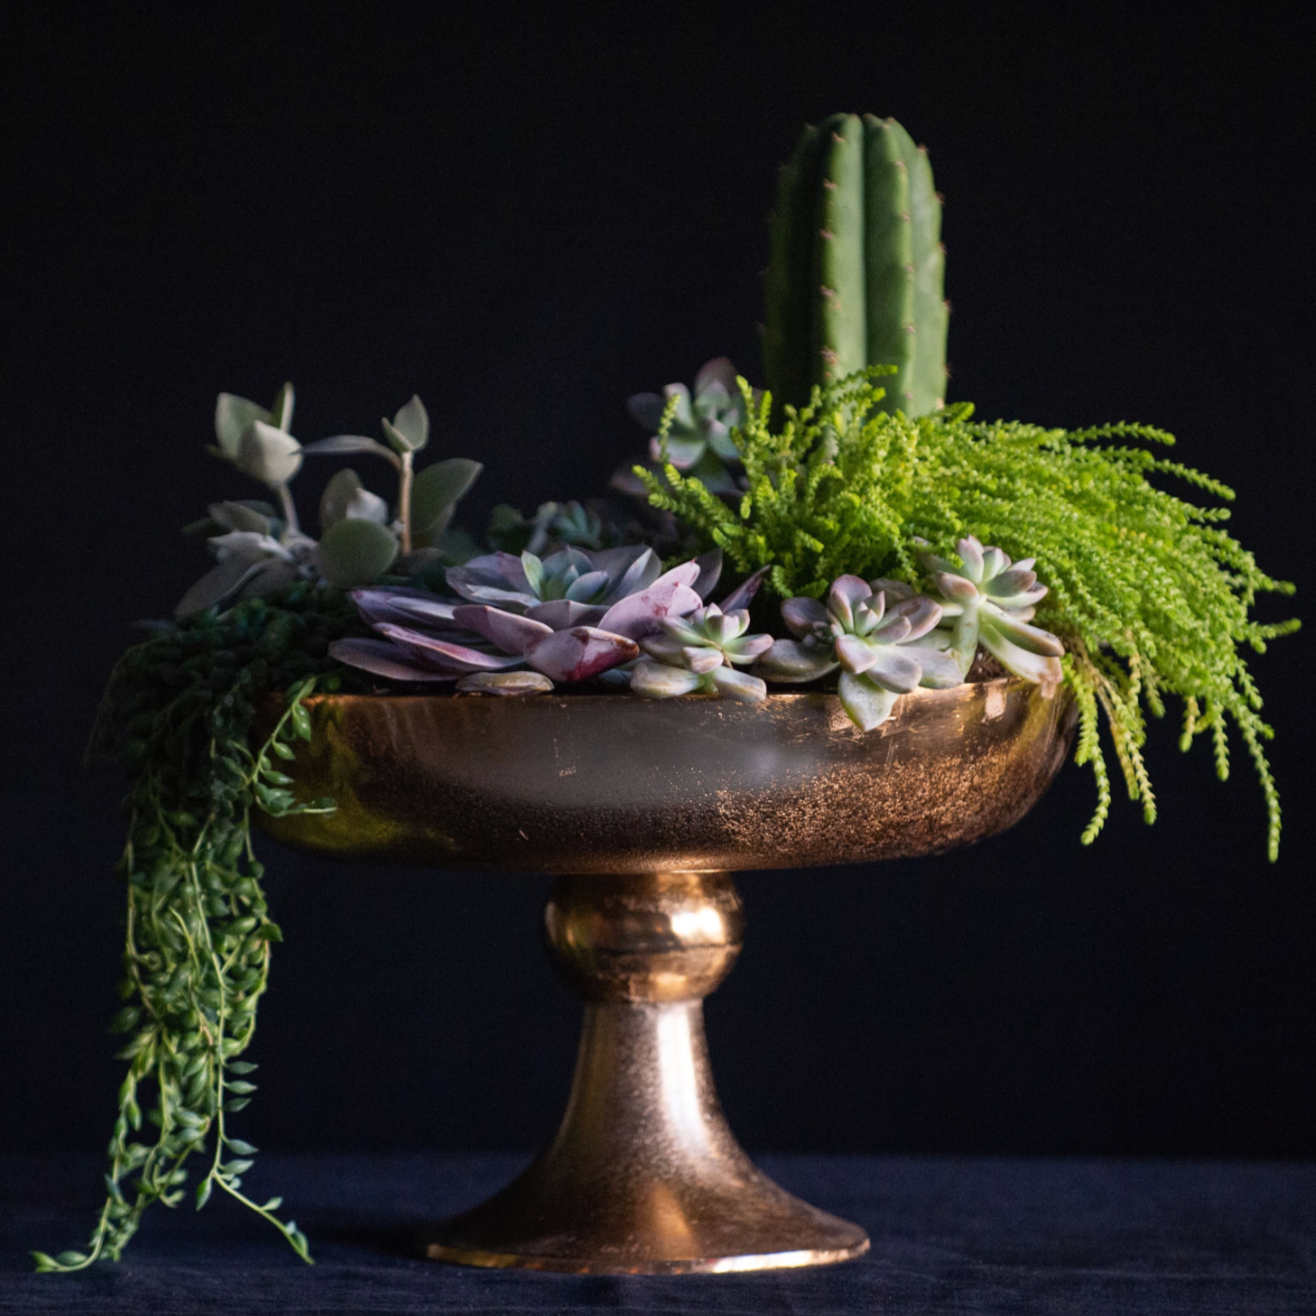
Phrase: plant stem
x=404 y=501
x=289 y=508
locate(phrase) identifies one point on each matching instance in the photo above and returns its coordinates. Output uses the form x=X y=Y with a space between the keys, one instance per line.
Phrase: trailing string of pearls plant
x=901 y=539
x=179 y=712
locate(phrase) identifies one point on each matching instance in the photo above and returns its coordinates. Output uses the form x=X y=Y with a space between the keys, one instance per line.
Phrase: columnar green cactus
x=856 y=268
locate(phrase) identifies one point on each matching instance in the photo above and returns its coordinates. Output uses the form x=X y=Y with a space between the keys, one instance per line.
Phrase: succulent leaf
x=845 y=593
x=561 y=614
x=792 y=662
x=218 y=584
x=1042 y=668
x=716 y=374
x=510 y=631
x=435 y=492
x=641 y=614
x=268 y=454
x=941 y=669
x=233 y=417
x=853 y=654
x=743 y=595
x=409 y=430
x=504 y=683
x=281 y=411
x=242 y=516
x=896 y=591
x=893 y=669
x=1031 y=638
x=647 y=409
x=975 y=559
x=867 y=705
x=383 y=659
x=921 y=612
x=447 y=654
x=955 y=588
x=343 y=445
x=634 y=568
x=805 y=616
x=587 y=588
x=695 y=658
x=740 y=686
x=580 y=653
x=355 y=552
x=405 y=606
x=656 y=680
x=683 y=453
x=710 y=572
x=345 y=498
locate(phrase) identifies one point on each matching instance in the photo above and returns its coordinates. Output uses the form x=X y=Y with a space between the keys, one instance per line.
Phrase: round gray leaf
x=354 y=553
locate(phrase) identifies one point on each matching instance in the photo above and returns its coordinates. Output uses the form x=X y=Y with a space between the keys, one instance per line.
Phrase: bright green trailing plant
x=1149 y=595
x=180 y=711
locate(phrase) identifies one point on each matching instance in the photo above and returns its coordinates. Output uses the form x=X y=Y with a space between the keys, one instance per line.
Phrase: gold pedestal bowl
x=643 y=808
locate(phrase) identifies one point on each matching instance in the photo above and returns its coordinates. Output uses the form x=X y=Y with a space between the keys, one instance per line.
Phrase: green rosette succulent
x=989 y=601
x=560 y=525
x=699 y=654
x=882 y=652
x=692 y=429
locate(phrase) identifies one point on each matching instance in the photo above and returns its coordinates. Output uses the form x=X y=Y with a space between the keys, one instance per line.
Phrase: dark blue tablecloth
x=949 y=1235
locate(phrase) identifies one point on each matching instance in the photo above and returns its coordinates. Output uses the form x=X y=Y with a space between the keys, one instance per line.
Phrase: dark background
x=525 y=218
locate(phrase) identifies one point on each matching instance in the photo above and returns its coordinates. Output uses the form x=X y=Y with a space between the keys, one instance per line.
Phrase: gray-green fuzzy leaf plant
x=259 y=549
x=426 y=498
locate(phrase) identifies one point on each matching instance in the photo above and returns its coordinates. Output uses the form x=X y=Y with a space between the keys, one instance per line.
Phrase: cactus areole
x=856 y=269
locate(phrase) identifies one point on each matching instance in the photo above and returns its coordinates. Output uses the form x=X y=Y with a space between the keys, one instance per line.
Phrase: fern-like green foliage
x=1151 y=597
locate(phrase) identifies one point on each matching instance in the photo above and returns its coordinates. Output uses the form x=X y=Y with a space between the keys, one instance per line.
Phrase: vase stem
x=644 y=1174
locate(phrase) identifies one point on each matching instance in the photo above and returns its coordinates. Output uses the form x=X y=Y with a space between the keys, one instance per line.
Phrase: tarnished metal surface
x=630 y=797
x=618 y=784
x=644 y=1175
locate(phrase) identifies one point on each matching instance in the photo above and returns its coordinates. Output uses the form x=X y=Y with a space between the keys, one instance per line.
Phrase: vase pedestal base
x=644 y=1175
x=542 y=1221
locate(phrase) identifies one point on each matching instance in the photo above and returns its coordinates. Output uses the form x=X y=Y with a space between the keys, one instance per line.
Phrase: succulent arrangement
x=902 y=539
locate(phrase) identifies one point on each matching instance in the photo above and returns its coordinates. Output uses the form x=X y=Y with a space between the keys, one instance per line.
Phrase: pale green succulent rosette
x=692 y=430
x=990 y=602
x=882 y=652
x=699 y=654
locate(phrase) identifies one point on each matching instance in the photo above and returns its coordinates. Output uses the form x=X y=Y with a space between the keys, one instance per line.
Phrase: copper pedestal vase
x=643 y=808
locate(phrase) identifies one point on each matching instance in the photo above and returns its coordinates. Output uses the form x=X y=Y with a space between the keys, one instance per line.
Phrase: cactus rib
x=856 y=268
